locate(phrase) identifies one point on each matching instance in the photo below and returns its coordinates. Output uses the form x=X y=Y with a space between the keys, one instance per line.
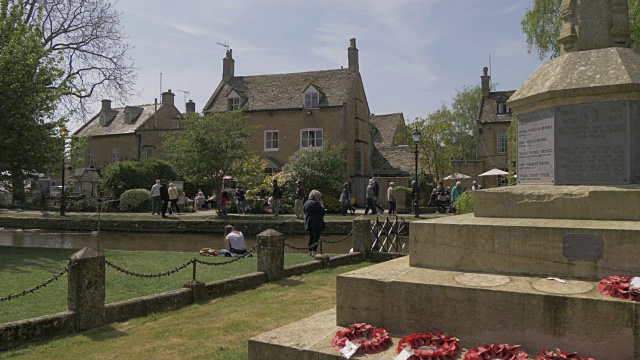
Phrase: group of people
x=372 y=193
x=442 y=196
x=165 y=197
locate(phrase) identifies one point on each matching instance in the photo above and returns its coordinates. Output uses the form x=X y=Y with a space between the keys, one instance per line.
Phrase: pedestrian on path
x=276 y=194
x=314 y=219
x=156 y=201
x=299 y=200
x=164 y=196
x=376 y=193
x=391 y=197
x=370 y=199
x=173 y=197
x=240 y=200
x=344 y=199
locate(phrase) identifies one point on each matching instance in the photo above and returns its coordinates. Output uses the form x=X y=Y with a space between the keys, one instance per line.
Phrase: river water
x=147 y=241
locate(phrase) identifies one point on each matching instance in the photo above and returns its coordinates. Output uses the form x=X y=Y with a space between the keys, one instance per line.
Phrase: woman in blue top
x=314 y=219
x=455 y=194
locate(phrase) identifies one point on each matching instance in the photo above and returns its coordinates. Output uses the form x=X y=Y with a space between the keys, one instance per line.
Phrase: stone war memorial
x=535 y=264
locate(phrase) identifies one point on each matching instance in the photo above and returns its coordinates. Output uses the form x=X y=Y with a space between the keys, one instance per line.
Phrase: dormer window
x=233 y=101
x=311 y=97
x=503 y=108
x=131 y=113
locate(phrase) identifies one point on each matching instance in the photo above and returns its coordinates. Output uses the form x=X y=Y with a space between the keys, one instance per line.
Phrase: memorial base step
x=527 y=246
x=478 y=308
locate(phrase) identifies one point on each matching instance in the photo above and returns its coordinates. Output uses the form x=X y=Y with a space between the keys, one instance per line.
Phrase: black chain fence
x=148 y=276
x=38 y=287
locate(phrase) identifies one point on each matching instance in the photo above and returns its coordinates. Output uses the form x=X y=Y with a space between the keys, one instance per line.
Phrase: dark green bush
x=464 y=203
x=135 y=200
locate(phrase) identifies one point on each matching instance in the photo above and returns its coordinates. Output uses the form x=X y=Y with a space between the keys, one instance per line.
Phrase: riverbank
x=204 y=222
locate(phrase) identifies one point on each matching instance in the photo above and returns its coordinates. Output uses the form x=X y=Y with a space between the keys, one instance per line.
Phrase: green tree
x=541 y=25
x=209 y=147
x=127 y=175
x=434 y=145
x=464 y=114
x=30 y=86
x=323 y=169
x=249 y=172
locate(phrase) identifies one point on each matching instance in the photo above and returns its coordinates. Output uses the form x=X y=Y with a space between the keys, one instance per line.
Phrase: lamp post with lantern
x=63 y=134
x=416 y=196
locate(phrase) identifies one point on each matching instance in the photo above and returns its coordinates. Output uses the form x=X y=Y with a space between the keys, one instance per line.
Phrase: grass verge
x=218 y=329
x=23 y=268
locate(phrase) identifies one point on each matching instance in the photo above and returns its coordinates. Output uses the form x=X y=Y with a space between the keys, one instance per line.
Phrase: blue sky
x=414 y=54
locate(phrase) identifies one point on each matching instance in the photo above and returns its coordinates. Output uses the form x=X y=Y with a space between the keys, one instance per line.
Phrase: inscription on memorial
x=536 y=147
x=582 y=247
x=591 y=144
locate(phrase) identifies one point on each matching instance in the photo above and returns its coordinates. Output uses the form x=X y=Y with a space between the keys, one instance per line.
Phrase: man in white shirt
x=475 y=186
x=235 y=238
x=156 y=200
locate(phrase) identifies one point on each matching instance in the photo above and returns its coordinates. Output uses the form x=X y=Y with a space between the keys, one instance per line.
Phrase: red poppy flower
x=496 y=351
x=372 y=340
x=619 y=287
x=561 y=355
x=430 y=346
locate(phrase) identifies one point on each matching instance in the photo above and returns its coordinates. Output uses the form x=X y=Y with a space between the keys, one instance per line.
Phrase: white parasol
x=494 y=172
x=457 y=176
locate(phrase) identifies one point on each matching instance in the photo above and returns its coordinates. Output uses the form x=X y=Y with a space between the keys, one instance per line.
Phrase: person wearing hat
x=173 y=198
x=370 y=199
x=299 y=200
x=391 y=197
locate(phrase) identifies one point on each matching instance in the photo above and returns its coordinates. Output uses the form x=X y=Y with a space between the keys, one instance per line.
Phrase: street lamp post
x=416 y=192
x=63 y=134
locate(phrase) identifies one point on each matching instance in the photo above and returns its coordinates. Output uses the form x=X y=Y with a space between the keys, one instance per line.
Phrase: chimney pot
x=228 y=65
x=191 y=107
x=106 y=104
x=168 y=98
x=485 y=81
x=353 y=56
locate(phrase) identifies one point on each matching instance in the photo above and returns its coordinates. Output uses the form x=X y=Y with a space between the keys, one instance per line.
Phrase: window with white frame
x=271 y=140
x=311 y=99
x=503 y=108
x=149 y=153
x=310 y=138
x=115 y=154
x=234 y=103
x=501 y=147
x=89 y=158
x=175 y=124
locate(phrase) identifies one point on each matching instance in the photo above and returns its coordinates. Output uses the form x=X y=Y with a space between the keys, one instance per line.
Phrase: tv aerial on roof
x=226 y=44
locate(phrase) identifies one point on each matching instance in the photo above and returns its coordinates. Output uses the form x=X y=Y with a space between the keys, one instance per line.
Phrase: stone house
x=127 y=133
x=494 y=119
x=302 y=110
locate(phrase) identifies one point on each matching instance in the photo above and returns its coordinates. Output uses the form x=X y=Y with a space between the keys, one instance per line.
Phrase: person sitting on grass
x=237 y=246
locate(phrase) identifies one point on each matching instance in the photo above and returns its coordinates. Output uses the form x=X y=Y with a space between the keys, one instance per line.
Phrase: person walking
x=391 y=197
x=455 y=194
x=164 y=196
x=442 y=197
x=276 y=194
x=299 y=200
x=376 y=193
x=344 y=199
x=156 y=200
x=173 y=197
x=351 y=208
x=370 y=202
x=237 y=246
x=222 y=203
x=314 y=219
x=240 y=200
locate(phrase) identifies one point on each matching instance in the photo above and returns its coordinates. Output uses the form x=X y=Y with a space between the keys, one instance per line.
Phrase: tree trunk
x=17 y=185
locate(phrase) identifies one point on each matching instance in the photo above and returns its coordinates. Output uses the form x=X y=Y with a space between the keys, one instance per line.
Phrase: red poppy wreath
x=430 y=346
x=495 y=352
x=561 y=355
x=619 y=287
x=372 y=340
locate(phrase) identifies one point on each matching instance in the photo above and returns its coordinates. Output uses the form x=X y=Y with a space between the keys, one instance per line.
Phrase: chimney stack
x=168 y=98
x=191 y=107
x=485 y=81
x=106 y=104
x=228 y=66
x=353 y=56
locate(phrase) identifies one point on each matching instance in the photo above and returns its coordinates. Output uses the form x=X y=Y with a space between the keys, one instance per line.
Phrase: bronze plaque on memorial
x=582 y=247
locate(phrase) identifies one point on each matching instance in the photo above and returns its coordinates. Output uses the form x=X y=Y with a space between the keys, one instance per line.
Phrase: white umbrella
x=457 y=176
x=494 y=172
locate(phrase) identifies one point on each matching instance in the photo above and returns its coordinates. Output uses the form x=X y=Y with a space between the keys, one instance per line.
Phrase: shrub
x=332 y=204
x=87 y=205
x=464 y=203
x=135 y=200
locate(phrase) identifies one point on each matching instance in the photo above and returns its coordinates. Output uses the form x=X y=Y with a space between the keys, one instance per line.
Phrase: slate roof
x=117 y=126
x=284 y=91
x=489 y=107
x=391 y=155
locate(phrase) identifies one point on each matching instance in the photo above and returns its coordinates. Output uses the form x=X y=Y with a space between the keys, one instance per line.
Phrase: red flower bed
x=561 y=355
x=496 y=351
x=372 y=340
x=619 y=287
x=440 y=346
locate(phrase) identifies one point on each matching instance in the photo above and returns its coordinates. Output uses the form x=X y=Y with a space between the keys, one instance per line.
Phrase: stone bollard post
x=362 y=236
x=271 y=254
x=198 y=290
x=86 y=291
x=324 y=258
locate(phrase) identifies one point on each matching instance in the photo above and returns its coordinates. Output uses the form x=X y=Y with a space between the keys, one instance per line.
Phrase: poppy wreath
x=496 y=351
x=372 y=340
x=561 y=355
x=619 y=287
x=442 y=346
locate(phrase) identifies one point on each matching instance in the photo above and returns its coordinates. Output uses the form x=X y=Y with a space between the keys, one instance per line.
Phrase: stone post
x=324 y=258
x=86 y=292
x=271 y=254
x=198 y=290
x=362 y=236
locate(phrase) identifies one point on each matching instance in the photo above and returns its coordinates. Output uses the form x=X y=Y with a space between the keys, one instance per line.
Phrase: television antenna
x=184 y=94
x=226 y=44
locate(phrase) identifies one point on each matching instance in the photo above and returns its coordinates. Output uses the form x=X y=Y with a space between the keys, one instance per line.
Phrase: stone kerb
x=86 y=289
x=270 y=246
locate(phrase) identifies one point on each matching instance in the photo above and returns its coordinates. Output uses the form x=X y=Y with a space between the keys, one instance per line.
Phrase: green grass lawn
x=23 y=268
x=218 y=329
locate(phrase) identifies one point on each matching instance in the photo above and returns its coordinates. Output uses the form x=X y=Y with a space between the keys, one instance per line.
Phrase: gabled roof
x=489 y=107
x=386 y=129
x=118 y=126
x=284 y=91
